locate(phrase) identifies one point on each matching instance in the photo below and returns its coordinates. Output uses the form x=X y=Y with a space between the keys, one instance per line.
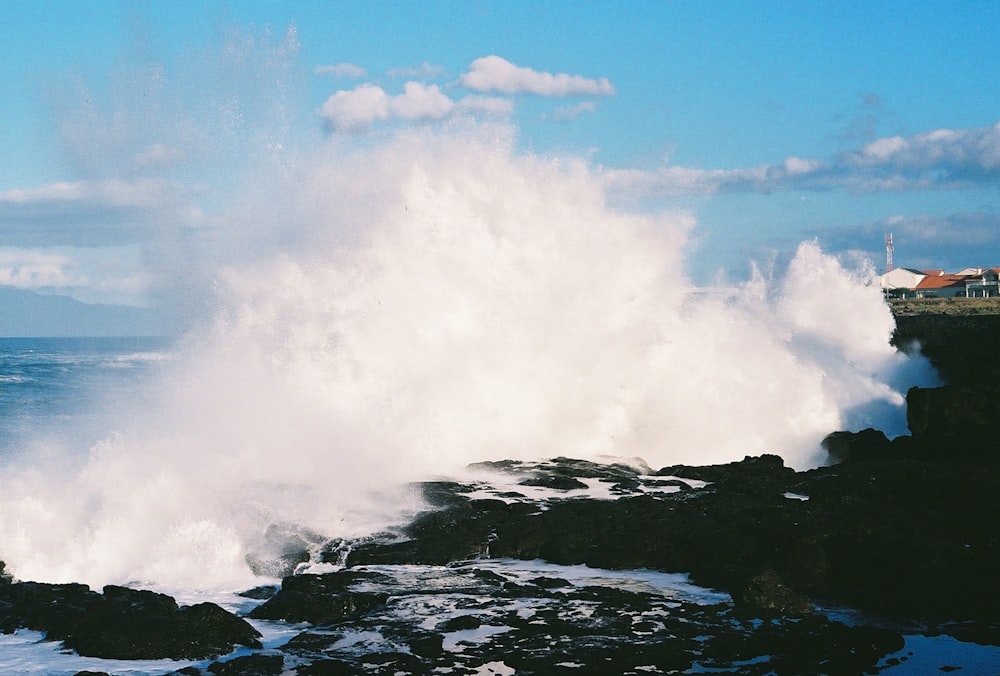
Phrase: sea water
x=63 y=390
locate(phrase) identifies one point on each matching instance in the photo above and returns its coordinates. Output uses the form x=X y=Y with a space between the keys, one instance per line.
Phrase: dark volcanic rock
x=319 y=599
x=122 y=623
x=961 y=348
x=875 y=532
x=868 y=444
x=583 y=628
x=249 y=665
x=767 y=593
x=556 y=481
x=956 y=422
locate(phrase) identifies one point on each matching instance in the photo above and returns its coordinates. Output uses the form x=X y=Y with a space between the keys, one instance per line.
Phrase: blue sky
x=771 y=122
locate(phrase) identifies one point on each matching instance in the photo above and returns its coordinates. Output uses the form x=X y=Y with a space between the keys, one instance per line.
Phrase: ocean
x=62 y=390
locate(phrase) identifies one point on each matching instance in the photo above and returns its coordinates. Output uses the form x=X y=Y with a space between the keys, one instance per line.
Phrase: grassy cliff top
x=945 y=306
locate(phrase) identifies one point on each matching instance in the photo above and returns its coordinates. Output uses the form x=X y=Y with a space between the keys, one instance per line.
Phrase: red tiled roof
x=942 y=281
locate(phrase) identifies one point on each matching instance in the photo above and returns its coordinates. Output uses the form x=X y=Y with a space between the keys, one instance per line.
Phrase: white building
x=897 y=282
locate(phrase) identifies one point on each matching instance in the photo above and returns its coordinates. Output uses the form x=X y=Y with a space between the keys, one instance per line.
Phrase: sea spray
x=488 y=305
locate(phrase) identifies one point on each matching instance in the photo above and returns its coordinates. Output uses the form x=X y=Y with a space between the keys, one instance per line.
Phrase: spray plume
x=393 y=309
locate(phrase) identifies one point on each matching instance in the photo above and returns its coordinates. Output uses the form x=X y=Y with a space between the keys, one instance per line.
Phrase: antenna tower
x=888 y=252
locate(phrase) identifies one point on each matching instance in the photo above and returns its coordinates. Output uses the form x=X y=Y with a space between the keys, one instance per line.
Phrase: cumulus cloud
x=356 y=108
x=366 y=104
x=114 y=193
x=494 y=73
x=420 y=101
x=956 y=153
x=939 y=159
x=342 y=69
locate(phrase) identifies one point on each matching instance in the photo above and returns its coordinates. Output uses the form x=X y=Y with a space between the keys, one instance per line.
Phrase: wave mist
x=390 y=312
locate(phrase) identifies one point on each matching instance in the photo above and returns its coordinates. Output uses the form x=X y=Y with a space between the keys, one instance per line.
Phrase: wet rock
x=328 y=667
x=318 y=600
x=260 y=593
x=122 y=623
x=961 y=348
x=767 y=594
x=249 y=665
x=868 y=444
x=461 y=623
x=554 y=481
x=956 y=422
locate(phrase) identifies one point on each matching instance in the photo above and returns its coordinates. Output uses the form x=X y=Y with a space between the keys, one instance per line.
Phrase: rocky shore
x=821 y=571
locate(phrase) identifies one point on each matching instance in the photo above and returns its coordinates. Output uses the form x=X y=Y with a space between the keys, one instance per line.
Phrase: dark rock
x=328 y=667
x=312 y=642
x=318 y=600
x=555 y=481
x=625 y=485
x=550 y=582
x=752 y=474
x=249 y=665
x=427 y=645
x=443 y=493
x=260 y=593
x=956 y=422
x=961 y=348
x=392 y=663
x=122 y=623
x=766 y=593
x=667 y=483
x=461 y=623
x=868 y=444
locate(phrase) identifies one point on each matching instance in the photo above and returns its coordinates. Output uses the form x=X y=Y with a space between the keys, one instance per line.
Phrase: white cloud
x=342 y=69
x=96 y=213
x=360 y=108
x=33 y=270
x=112 y=193
x=796 y=166
x=356 y=108
x=882 y=149
x=494 y=73
x=419 y=101
x=937 y=160
x=953 y=152
x=686 y=180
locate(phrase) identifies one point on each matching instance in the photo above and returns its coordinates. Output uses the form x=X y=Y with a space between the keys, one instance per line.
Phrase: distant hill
x=26 y=314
